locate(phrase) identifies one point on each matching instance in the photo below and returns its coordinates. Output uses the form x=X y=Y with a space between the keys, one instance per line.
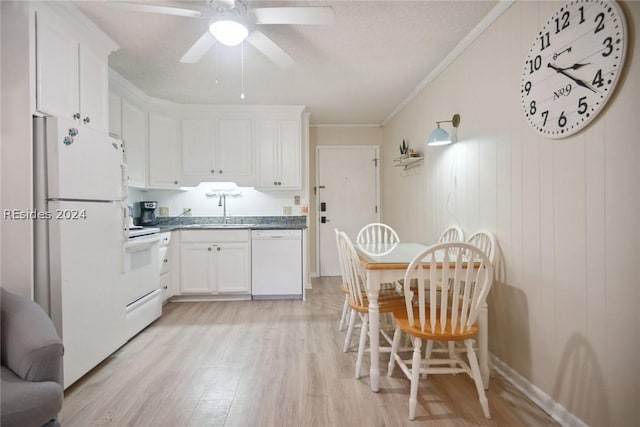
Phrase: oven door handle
x=139 y=243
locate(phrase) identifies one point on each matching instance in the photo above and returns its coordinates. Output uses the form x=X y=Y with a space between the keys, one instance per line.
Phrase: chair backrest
x=352 y=270
x=377 y=238
x=486 y=242
x=452 y=306
x=452 y=234
x=340 y=258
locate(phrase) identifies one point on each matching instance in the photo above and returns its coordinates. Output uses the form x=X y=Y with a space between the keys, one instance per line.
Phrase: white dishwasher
x=276 y=264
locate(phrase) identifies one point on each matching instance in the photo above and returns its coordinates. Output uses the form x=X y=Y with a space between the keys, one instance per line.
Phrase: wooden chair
x=344 y=289
x=450 y=317
x=388 y=300
x=486 y=242
x=452 y=234
x=377 y=239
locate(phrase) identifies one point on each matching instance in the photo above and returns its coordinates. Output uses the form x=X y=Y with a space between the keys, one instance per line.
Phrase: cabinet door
x=233 y=271
x=196 y=268
x=134 y=135
x=233 y=148
x=289 y=155
x=115 y=115
x=266 y=153
x=197 y=148
x=164 y=152
x=56 y=67
x=94 y=90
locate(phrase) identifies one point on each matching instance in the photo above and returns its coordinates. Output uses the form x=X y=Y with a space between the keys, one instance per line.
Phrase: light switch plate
x=296 y=200
x=286 y=210
x=164 y=211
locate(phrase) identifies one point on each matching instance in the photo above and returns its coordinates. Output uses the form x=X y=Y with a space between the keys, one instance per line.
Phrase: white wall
x=16 y=149
x=564 y=311
x=250 y=202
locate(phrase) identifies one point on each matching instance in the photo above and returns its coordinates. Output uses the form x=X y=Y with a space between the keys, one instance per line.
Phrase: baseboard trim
x=539 y=397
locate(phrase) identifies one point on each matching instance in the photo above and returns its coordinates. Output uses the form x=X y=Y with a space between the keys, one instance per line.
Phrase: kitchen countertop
x=233 y=223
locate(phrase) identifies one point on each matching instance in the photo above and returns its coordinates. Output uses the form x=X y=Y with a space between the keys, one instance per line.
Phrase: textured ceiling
x=356 y=71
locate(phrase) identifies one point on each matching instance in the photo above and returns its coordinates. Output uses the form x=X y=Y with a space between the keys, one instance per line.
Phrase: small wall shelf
x=408 y=162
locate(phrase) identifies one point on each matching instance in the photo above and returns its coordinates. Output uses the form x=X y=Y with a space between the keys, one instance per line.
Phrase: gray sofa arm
x=31 y=347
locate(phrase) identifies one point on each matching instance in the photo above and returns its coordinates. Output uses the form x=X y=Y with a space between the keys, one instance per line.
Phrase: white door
x=347 y=184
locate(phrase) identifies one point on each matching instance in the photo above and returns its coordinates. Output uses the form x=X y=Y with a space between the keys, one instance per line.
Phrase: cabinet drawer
x=214 y=236
x=165 y=262
x=165 y=239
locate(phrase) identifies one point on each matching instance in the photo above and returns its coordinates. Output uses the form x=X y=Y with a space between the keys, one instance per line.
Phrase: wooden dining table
x=387 y=263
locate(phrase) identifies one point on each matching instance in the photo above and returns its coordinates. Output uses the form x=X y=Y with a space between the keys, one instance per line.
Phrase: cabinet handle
x=175 y=182
x=86 y=120
x=218 y=248
x=279 y=183
x=165 y=287
x=275 y=182
x=220 y=172
x=76 y=116
x=165 y=260
x=209 y=248
x=213 y=171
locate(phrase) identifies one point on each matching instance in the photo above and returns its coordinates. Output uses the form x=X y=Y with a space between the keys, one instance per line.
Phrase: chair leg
x=345 y=313
x=427 y=355
x=395 y=344
x=364 y=331
x=477 y=377
x=347 y=338
x=452 y=352
x=415 y=377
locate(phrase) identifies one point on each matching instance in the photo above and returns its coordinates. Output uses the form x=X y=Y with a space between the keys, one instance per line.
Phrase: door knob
x=324 y=220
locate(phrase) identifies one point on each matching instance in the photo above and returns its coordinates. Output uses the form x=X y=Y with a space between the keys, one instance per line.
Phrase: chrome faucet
x=223 y=203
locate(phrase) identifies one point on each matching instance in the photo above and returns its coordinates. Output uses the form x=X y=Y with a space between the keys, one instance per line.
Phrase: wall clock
x=573 y=66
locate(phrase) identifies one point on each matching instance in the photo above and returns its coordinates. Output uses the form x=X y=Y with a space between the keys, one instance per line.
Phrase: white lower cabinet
x=167 y=269
x=215 y=262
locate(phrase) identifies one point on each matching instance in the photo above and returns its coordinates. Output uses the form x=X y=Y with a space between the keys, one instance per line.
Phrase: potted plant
x=404 y=149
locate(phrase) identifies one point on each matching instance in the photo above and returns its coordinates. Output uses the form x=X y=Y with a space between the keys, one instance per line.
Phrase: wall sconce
x=440 y=136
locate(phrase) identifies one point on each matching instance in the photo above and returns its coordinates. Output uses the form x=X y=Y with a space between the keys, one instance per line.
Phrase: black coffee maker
x=148 y=214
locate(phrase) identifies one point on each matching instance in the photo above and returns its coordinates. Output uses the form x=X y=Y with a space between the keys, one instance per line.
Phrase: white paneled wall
x=564 y=311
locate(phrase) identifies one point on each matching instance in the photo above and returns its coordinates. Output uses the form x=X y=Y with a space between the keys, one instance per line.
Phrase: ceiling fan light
x=228 y=31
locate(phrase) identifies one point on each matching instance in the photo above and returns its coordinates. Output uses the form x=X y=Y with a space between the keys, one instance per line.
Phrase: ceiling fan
x=231 y=22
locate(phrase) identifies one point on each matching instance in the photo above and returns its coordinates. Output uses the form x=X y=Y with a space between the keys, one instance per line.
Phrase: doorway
x=347 y=197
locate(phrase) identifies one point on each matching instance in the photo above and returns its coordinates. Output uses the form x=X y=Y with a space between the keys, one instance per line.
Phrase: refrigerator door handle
x=125 y=181
x=125 y=222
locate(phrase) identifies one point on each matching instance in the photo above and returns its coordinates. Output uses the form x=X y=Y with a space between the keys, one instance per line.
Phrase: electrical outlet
x=186 y=211
x=286 y=210
x=296 y=200
x=164 y=211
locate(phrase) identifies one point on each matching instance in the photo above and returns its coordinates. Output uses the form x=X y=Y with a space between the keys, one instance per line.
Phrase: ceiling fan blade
x=269 y=49
x=163 y=10
x=199 y=48
x=311 y=15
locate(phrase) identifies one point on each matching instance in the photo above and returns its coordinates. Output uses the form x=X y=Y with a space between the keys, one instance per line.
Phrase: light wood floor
x=269 y=363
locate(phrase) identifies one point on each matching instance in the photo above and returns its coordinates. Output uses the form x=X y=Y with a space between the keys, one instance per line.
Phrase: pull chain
x=215 y=61
x=242 y=69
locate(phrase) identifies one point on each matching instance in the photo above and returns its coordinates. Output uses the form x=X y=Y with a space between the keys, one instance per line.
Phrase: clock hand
x=575 y=66
x=578 y=81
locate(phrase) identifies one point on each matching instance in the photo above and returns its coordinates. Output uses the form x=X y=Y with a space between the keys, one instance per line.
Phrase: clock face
x=573 y=66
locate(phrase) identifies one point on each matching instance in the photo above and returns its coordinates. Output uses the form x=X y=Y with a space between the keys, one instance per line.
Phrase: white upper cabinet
x=71 y=74
x=164 y=152
x=217 y=150
x=233 y=148
x=115 y=115
x=134 y=136
x=278 y=144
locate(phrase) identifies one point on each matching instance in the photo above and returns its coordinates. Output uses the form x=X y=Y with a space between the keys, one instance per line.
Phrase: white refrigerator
x=79 y=232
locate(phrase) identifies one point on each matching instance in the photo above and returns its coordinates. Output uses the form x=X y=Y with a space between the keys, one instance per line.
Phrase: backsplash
x=248 y=202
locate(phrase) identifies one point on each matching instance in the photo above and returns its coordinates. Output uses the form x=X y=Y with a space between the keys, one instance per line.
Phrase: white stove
x=137 y=231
